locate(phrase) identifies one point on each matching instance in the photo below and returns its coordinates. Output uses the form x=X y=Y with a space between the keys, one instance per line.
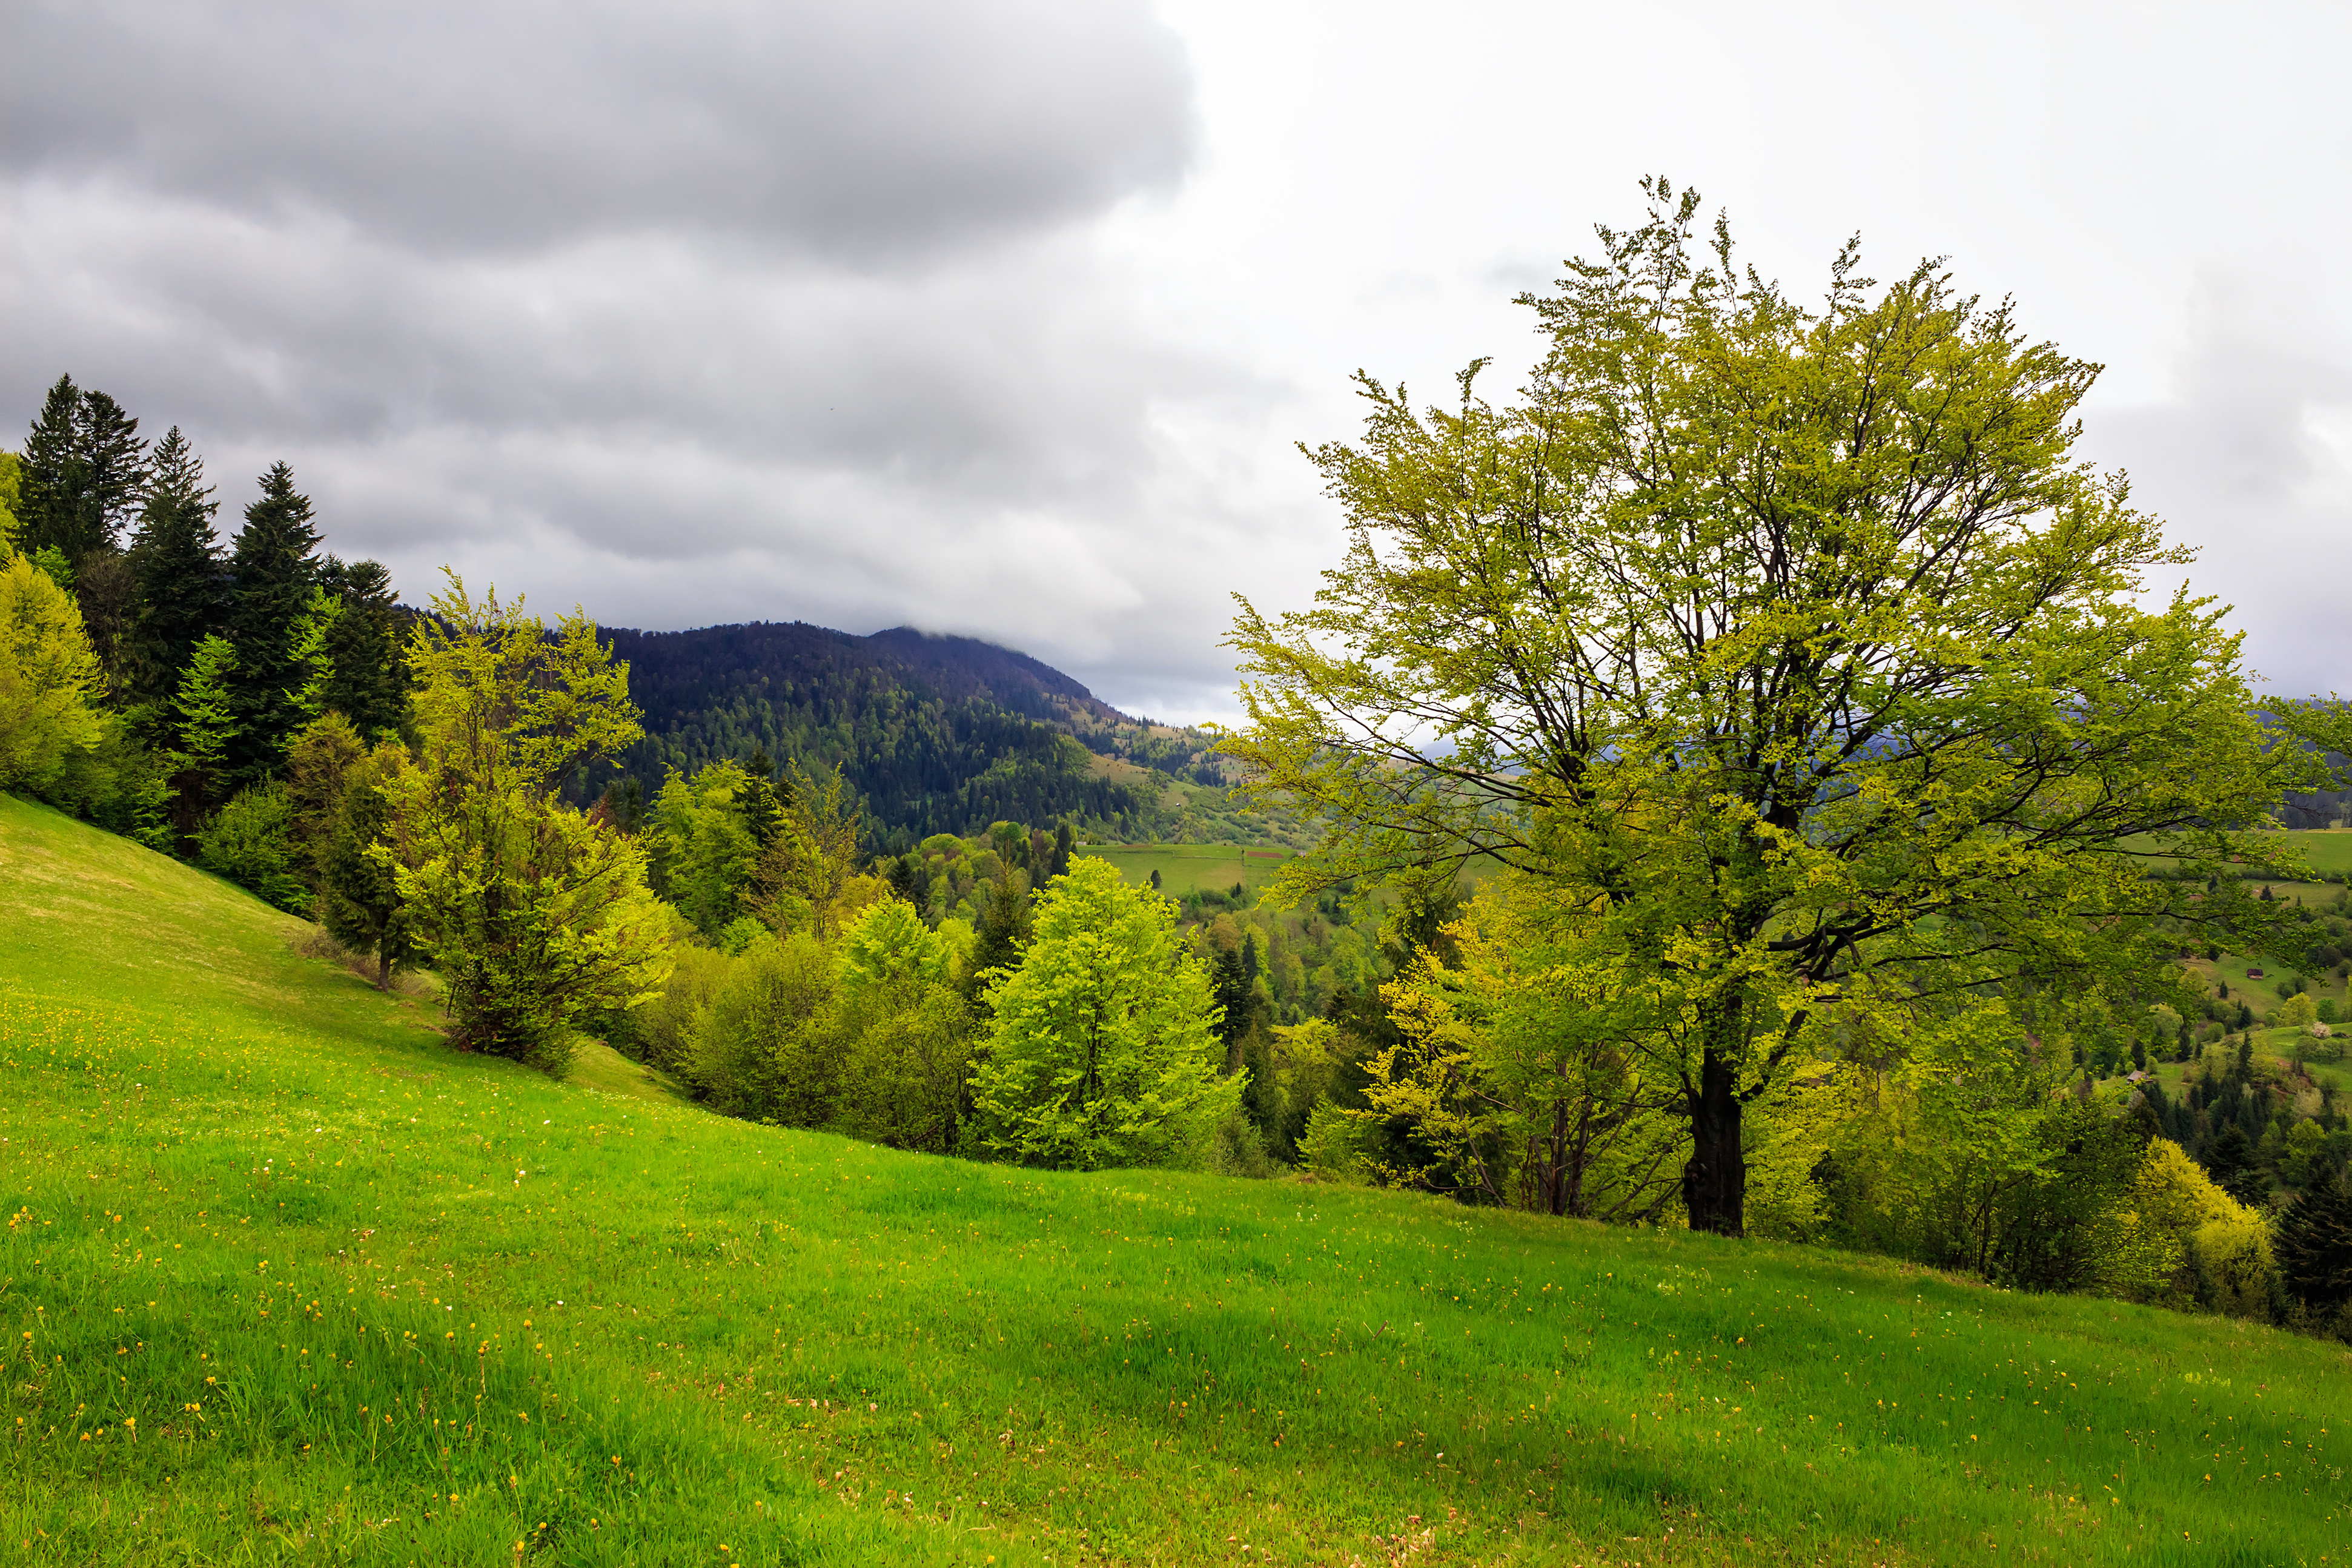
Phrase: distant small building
x=2253 y=974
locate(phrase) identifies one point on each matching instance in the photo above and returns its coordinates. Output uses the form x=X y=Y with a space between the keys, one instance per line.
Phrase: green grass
x=366 y=1299
x=1195 y=868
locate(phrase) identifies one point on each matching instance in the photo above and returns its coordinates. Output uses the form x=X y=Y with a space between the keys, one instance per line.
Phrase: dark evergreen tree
x=2314 y=1244
x=369 y=684
x=2229 y=1161
x=51 y=473
x=1003 y=930
x=85 y=467
x=176 y=560
x=763 y=807
x=359 y=902
x=272 y=575
x=1064 y=841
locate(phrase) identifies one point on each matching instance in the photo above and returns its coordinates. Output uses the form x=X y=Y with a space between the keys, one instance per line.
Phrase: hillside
x=284 y=1277
x=937 y=734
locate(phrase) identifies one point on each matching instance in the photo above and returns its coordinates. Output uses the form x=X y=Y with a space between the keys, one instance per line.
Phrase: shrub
x=1333 y=1145
x=765 y=1046
x=250 y=841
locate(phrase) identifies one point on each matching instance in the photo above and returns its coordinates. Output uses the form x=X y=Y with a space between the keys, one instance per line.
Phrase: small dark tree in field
x=1791 y=647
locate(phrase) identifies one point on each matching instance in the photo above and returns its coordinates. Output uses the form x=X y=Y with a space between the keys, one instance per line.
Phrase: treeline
x=162 y=679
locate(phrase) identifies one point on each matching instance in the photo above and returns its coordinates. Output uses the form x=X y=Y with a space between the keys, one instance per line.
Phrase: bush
x=1333 y=1145
x=660 y=1033
x=765 y=1047
x=250 y=841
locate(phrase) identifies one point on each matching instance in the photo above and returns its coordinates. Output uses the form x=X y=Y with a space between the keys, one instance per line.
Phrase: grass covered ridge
x=283 y=1277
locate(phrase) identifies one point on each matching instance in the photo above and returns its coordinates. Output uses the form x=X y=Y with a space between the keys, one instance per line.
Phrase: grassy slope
x=263 y=1214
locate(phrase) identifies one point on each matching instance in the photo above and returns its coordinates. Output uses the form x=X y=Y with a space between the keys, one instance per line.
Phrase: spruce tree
x=84 y=469
x=2314 y=1244
x=272 y=574
x=370 y=683
x=762 y=807
x=176 y=558
x=51 y=475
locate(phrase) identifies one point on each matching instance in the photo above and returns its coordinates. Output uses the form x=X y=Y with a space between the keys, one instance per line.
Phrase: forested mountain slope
x=936 y=734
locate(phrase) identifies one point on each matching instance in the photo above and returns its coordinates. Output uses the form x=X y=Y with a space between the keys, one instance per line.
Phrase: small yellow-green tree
x=535 y=912
x=49 y=680
x=1102 y=1046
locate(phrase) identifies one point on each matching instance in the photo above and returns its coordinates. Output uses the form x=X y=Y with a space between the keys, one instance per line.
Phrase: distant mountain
x=936 y=734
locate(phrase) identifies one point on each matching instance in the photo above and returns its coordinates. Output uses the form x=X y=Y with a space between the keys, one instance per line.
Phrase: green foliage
x=2314 y=1245
x=49 y=683
x=1101 y=1047
x=366 y=680
x=701 y=846
x=661 y=1033
x=1794 y=647
x=1272 y=1361
x=359 y=892
x=251 y=840
x=536 y=914
x=12 y=501
x=767 y=1046
x=205 y=724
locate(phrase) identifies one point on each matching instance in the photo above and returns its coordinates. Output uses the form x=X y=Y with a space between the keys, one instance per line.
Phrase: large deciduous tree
x=1792 y=646
x=535 y=912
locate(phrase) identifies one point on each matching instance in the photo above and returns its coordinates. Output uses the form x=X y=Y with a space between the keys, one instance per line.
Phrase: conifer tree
x=176 y=558
x=359 y=896
x=51 y=472
x=762 y=808
x=370 y=683
x=2314 y=1244
x=205 y=725
x=84 y=469
x=273 y=573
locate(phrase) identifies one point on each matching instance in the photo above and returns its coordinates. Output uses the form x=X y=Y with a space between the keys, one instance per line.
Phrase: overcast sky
x=1003 y=318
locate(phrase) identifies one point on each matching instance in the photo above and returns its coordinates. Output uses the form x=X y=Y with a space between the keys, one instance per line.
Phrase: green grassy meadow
x=286 y=1279
x=1195 y=868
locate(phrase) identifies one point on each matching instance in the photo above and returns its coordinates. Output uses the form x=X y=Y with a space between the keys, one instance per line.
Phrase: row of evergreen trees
x=214 y=654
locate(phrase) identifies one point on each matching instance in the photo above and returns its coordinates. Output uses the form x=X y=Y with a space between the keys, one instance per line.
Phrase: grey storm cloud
x=881 y=128
x=693 y=313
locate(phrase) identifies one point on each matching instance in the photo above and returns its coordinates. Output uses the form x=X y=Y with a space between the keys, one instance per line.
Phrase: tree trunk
x=1715 y=1181
x=383 y=968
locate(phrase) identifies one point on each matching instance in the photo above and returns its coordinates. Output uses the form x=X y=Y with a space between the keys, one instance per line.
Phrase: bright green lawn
x=1192 y=868
x=369 y=1301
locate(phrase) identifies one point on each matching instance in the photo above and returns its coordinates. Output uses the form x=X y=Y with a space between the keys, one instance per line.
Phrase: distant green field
x=2330 y=849
x=1194 y=868
x=286 y=1279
